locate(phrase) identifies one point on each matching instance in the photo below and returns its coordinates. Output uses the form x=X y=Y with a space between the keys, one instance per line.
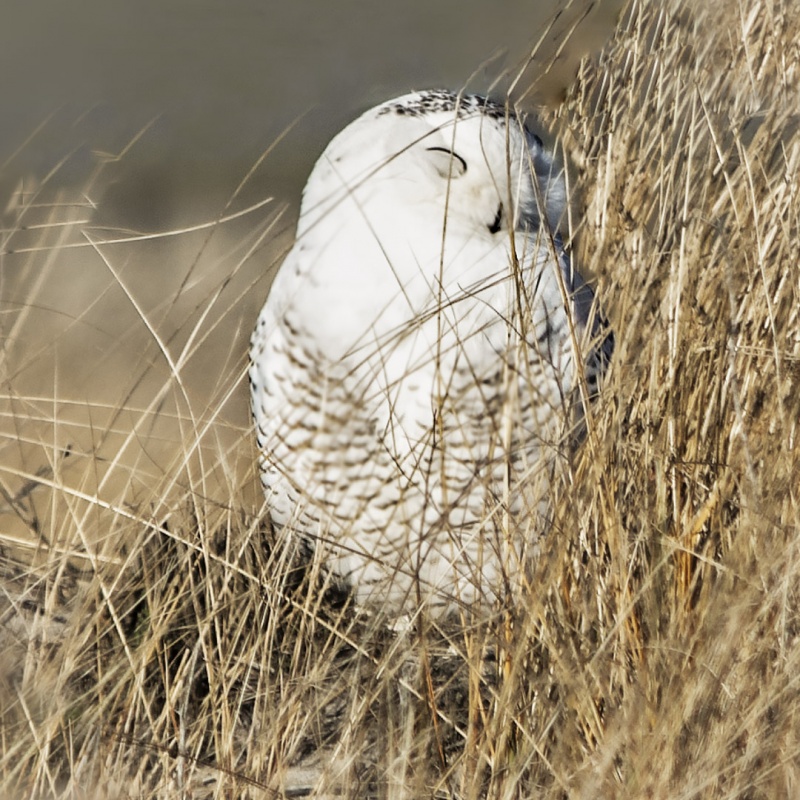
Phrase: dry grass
x=155 y=645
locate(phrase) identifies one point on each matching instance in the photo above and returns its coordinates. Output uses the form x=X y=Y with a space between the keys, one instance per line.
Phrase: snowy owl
x=420 y=361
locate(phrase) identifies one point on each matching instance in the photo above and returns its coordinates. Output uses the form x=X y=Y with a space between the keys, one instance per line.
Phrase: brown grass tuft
x=155 y=643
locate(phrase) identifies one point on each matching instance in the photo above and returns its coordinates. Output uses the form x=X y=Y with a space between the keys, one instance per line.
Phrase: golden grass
x=155 y=645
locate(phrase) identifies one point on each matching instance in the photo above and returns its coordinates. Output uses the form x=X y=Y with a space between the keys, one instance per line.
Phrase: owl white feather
x=415 y=367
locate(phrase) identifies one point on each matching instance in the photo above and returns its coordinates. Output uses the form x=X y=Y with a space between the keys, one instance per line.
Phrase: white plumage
x=414 y=370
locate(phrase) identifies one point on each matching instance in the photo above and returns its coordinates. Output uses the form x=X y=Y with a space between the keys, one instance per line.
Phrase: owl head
x=441 y=156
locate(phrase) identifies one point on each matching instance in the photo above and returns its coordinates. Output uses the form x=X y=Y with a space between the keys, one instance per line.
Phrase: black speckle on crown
x=429 y=102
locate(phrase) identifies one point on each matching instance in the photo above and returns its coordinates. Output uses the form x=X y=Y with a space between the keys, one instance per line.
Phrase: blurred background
x=219 y=82
x=152 y=159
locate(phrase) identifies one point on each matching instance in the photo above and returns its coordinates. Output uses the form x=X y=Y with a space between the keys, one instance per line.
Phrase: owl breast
x=413 y=450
